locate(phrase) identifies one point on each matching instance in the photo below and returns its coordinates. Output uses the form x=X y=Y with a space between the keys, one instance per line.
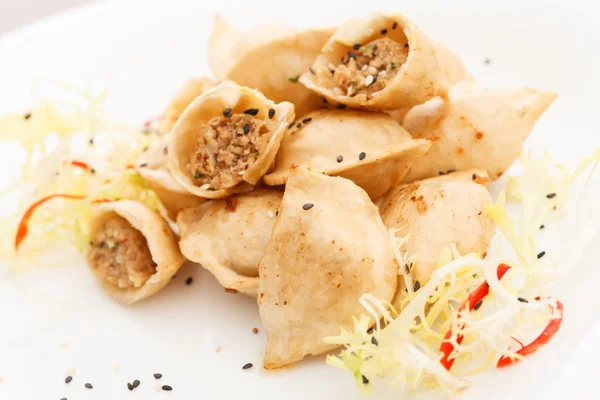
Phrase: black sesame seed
x=356 y=46
x=522 y=300
x=294 y=79
x=395 y=25
x=227 y=112
x=277 y=212
x=142 y=165
x=93 y=171
x=271 y=113
x=64 y=398
x=365 y=380
x=442 y=173
x=68 y=379
x=406 y=44
x=251 y=111
x=340 y=106
x=91 y=141
x=477 y=305
x=487 y=61
x=370 y=331
x=308 y=206
x=383 y=31
x=27 y=116
x=351 y=55
x=247 y=366
x=246 y=128
x=299 y=124
x=129 y=386
x=474 y=176
x=374 y=341
x=291 y=125
x=362 y=155
x=340 y=158
x=542 y=226
x=136 y=383
x=89 y=386
x=167 y=388
x=312 y=71
x=189 y=281
x=551 y=195
x=306 y=120
x=417 y=286
x=450 y=171
x=541 y=254
x=157 y=376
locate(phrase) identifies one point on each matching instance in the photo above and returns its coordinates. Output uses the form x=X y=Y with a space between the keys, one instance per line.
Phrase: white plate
x=141 y=51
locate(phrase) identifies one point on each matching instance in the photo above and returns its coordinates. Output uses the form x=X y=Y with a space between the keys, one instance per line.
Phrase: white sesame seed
x=382 y=73
x=270 y=214
x=350 y=90
x=369 y=81
x=241 y=173
x=364 y=68
x=372 y=70
x=338 y=91
x=205 y=186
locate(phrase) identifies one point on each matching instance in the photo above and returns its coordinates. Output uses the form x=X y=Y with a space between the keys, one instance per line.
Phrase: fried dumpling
x=226 y=140
x=328 y=248
x=371 y=149
x=229 y=237
x=152 y=166
x=274 y=68
x=387 y=63
x=452 y=66
x=476 y=128
x=436 y=214
x=134 y=253
x=183 y=97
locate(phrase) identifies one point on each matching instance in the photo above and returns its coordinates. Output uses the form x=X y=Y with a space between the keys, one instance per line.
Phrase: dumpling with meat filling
x=328 y=248
x=274 y=68
x=226 y=140
x=381 y=62
x=229 y=237
x=371 y=149
x=152 y=166
x=476 y=128
x=134 y=253
x=183 y=97
x=435 y=214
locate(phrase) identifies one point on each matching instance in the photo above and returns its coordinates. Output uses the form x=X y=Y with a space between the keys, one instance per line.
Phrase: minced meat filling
x=120 y=254
x=369 y=69
x=226 y=149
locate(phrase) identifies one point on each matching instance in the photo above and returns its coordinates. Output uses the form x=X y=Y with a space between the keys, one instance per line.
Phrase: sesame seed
x=291 y=125
x=356 y=46
x=370 y=330
x=64 y=398
x=365 y=380
x=271 y=113
x=487 y=61
x=417 y=286
x=136 y=383
x=374 y=341
x=383 y=31
x=277 y=212
x=91 y=141
x=255 y=331
x=27 y=116
x=370 y=80
x=340 y=106
x=129 y=386
x=189 y=281
x=406 y=44
x=540 y=255
x=522 y=300
x=450 y=171
x=299 y=125
x=312 y=71
x=142 y=165
x=157 y=376
x=294 y=79
x=308 y=206
x=306 y=120
x=251 y=111
x=227 y=112
x=395 y=25
x=68 y=379
x=351 y=55
x=88 y=386
x=247 y=366
x=474 y=176
x=551 y=195
x=542 y=226
x=340 y=158
x=442 y=173
x=477 y=305
x=362 y=156
x=246 y=128
x=166 y=388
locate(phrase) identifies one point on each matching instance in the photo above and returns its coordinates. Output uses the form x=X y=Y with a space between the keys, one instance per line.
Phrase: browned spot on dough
x=302 y=234
x=499 y=174
x=460 y=150
x=479 y=135
x=333 y=242
x=484 y=254
x=482 y=180
x=231 y=203
x=229 y=290
x=338 y=286
x=421 y=204
x=341 y=248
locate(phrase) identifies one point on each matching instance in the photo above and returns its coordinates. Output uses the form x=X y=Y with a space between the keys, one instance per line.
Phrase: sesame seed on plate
x=88 y=386
x=157 y=376
x=362 y=155
x=541 y=254
x=129 y=386
x=68 y=379
x=166 y=388
x=551 y=195
x=247 y=366
x=136 y=383
x=365 y=380
x=340 y=158
x=374 y=341
x=522 y=300
x=308 y=206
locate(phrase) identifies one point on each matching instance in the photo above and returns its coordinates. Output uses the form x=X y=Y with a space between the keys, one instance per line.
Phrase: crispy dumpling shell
x=229 y=237
x=161 y=240
x=417 y=80
x=274 y=67
x=436 y=213
x=320 y=260
x=476 y=128
x=317 y=144
x=193 y=122
x=152 y=166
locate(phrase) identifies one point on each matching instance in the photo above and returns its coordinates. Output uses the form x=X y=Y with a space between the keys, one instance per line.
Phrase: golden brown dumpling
x=371 y=149
x=476 y=128
x=387 y=63
x=134 y=253
x=328 y=248
x=229 y=237
x=226 y=140
x=185 y=95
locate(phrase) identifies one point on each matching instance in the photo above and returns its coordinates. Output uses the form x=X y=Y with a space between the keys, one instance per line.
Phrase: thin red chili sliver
x=478 y=294
x=541 y=340
x=23 y=227
x=80 y=164
x=151 y=120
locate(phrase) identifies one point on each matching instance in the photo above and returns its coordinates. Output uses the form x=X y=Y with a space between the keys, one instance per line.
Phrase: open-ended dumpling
x=436 y=213
x=229 y=237
x=152 y=166
x=134 y=253
x=476 y=128
x=226 y=140
x=371 y=149
x=183 y=97
x=274 y=67
x=328 y=248
x=387 y=63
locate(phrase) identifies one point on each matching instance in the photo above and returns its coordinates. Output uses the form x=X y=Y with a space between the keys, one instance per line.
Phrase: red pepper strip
x=98 y=201
x=478 y=294
x=541 y=340
x=22 y=229
x=151 y=120
x=80 y=164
